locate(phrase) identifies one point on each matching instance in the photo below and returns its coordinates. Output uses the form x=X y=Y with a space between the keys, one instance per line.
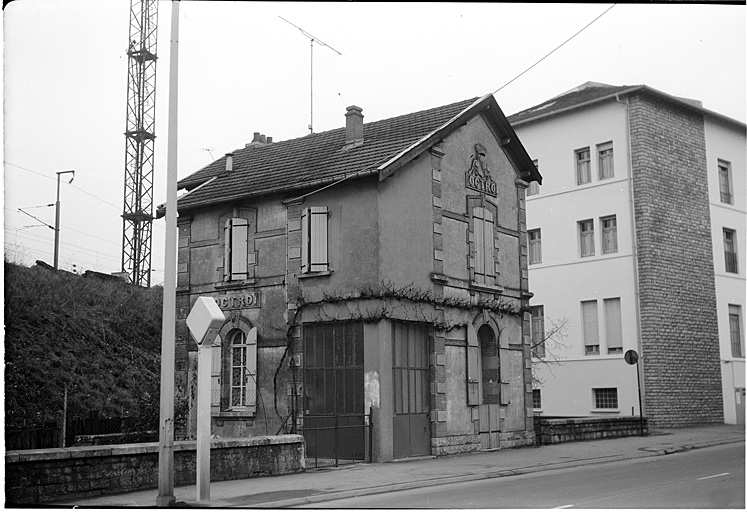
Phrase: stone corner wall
x=563 y=430
x=679 y=329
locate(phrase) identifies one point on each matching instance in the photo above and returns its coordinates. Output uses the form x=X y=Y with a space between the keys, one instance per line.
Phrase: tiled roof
x=313 y=159
x=588 y=92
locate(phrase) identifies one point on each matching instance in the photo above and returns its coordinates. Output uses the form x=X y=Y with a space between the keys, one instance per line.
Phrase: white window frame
x=534 y=237
x=609 y=234
x=605 y=161
x=314 y=241
x=726 y=193
x=236 y=247
x=731 y=259
x=483 y=228
x=586 y=237
x=606 y=399
x=590 y=324
x=583 y=165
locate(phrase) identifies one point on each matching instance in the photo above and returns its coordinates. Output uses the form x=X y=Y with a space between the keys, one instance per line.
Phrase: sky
x=243 y=69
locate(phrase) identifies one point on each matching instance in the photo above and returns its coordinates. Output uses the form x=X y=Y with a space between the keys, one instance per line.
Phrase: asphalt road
x=703 y=478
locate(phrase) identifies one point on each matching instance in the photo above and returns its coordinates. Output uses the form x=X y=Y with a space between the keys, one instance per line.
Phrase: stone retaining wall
x=58 y=474
x=562 y=430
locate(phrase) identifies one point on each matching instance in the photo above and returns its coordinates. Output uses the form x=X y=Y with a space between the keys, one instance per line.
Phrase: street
x=705 y=478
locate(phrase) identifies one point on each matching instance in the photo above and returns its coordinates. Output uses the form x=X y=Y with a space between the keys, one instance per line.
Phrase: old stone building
x=378 y=269
x=636 y=243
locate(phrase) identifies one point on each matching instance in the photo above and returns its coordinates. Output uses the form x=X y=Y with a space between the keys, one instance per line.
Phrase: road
x=703 y=478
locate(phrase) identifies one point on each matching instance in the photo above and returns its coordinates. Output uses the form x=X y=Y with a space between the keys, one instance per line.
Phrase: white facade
x=725 y=145
x=570 y=376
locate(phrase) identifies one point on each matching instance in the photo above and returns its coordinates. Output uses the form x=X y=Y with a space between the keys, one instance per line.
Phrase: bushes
x=97 y=339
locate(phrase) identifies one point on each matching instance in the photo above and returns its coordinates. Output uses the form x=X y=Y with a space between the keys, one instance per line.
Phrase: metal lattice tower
x=140 y=139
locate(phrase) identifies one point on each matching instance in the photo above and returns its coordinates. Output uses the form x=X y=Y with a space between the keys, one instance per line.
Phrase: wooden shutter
x=215 y=370
x=613 y=324
x=314 y=239
x=236 y=249
x=474 y=370
x=251 y=369
x=482 y=221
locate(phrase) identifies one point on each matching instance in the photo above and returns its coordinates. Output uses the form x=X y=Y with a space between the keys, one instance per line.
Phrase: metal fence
x=332 y=440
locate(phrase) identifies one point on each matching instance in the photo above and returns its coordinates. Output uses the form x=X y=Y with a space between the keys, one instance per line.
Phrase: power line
x=555 y=49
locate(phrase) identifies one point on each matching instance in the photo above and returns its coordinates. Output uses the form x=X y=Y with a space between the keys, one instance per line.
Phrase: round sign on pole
x=631 y=357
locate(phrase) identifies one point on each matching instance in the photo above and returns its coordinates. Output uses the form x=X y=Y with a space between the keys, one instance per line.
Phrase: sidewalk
x=320 y=485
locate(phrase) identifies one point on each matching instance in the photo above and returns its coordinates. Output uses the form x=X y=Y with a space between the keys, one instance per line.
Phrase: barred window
x=605 y=398
x=730 y=251
x=724 y=181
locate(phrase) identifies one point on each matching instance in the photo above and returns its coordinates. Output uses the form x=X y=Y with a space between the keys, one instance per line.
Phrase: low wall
x=549 y=430
x=62 y=474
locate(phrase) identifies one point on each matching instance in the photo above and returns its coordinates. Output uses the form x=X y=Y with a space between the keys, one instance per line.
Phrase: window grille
x=605 y=398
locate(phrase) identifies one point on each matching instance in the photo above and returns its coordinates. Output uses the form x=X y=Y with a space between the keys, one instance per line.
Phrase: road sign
x=205 y=320
x=631 y=357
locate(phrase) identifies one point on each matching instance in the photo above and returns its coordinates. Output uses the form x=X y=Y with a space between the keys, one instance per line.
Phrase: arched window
x=483 y=367
x=236 y=384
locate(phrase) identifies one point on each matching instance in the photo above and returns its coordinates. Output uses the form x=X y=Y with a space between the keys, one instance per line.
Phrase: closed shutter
x=591 y=326
x=236 y=249
x=215 y=369
x=474 y=377
x=314 y=239
x=484 y=242
x=251 y=369
x=613 y=325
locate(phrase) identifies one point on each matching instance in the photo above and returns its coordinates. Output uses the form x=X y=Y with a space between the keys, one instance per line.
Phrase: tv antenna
x=311 y=82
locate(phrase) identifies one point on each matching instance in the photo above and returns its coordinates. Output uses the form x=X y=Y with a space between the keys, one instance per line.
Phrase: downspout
x=634 y=247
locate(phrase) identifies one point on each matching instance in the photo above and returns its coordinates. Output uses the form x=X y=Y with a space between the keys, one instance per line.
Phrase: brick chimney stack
x=354 y=125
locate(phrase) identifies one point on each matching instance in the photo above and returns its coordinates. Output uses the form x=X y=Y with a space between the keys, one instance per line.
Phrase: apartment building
x=636 y=241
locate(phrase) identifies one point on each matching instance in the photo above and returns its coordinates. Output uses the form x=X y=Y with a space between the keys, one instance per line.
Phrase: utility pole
x=57 y=218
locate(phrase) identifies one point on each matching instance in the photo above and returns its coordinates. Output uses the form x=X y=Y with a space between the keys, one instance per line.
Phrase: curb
x=367 y=491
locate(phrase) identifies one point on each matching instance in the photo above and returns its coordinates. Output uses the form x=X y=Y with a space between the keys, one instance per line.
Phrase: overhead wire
x=555 y=49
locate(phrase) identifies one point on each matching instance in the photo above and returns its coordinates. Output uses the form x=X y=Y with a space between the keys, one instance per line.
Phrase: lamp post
x=57 y=217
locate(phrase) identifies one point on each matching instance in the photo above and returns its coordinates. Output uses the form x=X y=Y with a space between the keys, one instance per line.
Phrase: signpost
x=631 y=357
x=204 y=322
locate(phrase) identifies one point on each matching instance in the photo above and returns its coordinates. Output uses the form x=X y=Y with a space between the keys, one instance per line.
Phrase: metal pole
x=640 y=402
x=168 y=349
x=57 y=220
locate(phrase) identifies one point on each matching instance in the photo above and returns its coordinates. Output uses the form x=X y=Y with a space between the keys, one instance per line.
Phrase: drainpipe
x=634 y=246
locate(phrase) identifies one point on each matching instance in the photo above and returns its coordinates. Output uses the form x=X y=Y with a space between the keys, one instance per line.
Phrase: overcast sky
x=242 y=69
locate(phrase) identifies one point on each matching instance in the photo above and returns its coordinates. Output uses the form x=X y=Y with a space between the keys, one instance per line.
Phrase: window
x=237 y=369
x=724 y=181
x=735 y=330
x=534 y=187
x=586 y=233
x=236 y=257
x=537 y=399
x=605 y=398
x=606 y=161
x=609 y=234
x=537 y=329
x=730 y=250
x=535 y=246
x=591 y=326
x=314 y=240
x=484 y=243
x=613 y=325
x=483 y=367
x=583 y=166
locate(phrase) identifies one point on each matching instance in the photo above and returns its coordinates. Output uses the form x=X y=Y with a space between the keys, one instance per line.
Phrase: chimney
x=269 y=140
x=262 y=139
x=354 y=125
x=229 y=162
x=257 y=137
x=259 y=140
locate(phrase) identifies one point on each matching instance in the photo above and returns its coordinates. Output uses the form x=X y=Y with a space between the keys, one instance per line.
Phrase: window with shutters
x=606 y=161
x=484 y=243
x=583 y=166
x=314 y=240
x=537 y=328
x=613 y=326
x=234 y=373
x=586 y=237
x=609 y=234
x=535 y=245
x=236 y=258
x=735 y=330
x=483 y=367
x=591 y=327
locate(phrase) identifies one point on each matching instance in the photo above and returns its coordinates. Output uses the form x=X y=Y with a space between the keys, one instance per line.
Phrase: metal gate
x=410 y=366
